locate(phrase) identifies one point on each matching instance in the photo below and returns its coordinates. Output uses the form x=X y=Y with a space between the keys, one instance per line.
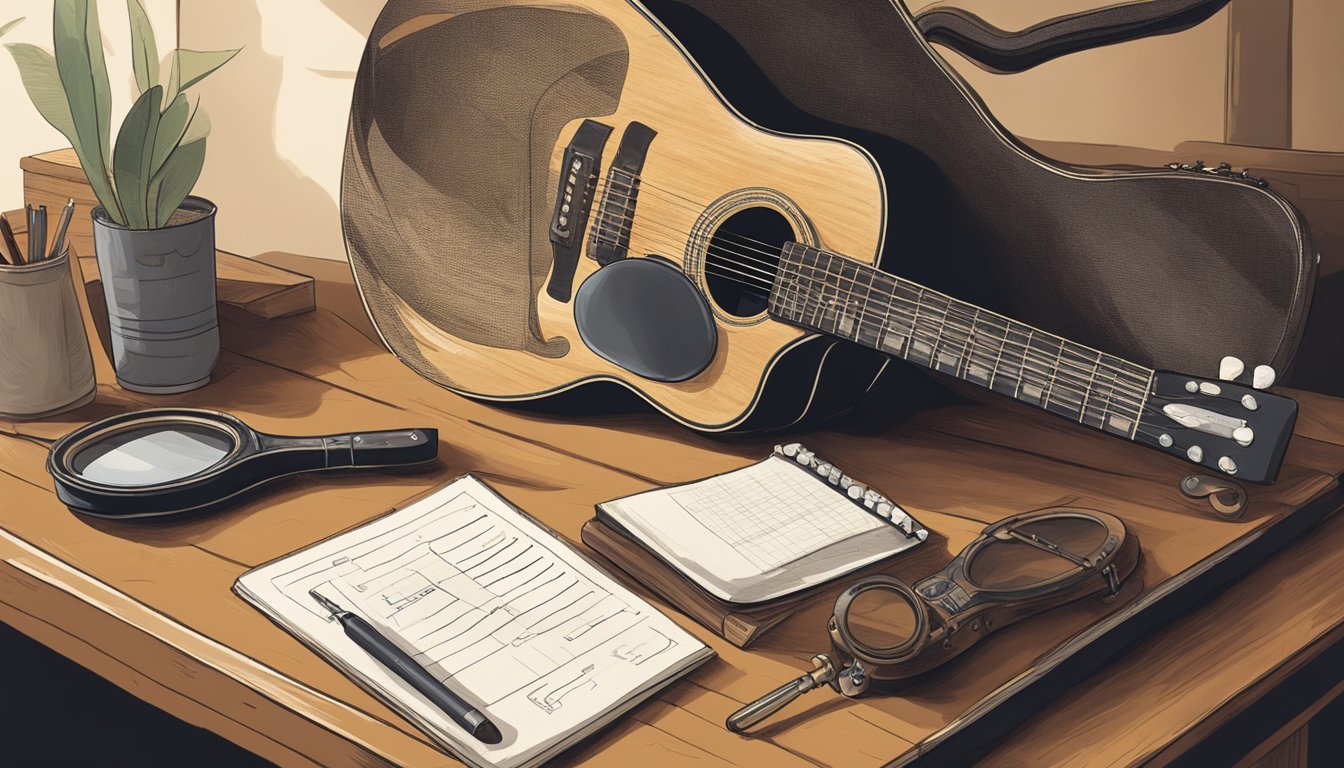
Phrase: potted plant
x=155 y=242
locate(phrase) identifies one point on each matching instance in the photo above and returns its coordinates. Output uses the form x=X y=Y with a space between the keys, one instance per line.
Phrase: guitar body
x=466 y=120
x=706 y=163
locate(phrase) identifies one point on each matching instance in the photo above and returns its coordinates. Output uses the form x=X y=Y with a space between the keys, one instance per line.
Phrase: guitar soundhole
x=742 y=258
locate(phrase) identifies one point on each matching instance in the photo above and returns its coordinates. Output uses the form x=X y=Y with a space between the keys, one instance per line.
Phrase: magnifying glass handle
x=381 y=449
x=748 y=716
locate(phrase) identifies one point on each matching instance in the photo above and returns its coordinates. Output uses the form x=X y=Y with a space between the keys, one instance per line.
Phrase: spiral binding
x=860 y=494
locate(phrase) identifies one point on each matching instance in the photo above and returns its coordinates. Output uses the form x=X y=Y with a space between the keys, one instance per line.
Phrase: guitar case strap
x=1001 y=51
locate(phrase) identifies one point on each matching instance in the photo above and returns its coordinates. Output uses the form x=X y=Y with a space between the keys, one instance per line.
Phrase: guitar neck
x=835 y=295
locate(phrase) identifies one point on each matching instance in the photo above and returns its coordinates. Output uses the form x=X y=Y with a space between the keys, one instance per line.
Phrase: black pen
x=405 y=667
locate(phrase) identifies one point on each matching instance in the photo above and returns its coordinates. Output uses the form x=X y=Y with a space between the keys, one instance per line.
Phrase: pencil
x=11 y=245
x=41 y=251
x=58 y=242
x=32 y=230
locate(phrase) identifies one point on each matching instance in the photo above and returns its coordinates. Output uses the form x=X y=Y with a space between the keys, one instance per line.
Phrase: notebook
x=767 y=531
x=548 y=646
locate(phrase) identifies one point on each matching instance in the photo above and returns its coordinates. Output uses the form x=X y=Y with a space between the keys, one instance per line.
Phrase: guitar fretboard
x=835 y=295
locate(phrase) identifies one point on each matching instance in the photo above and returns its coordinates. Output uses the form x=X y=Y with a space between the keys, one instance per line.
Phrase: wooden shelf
x=258 y=289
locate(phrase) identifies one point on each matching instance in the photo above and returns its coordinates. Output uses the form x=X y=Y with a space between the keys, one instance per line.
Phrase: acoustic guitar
x=604 y=215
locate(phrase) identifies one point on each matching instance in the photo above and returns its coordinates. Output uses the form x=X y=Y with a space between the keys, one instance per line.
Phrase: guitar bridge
x=573 y=199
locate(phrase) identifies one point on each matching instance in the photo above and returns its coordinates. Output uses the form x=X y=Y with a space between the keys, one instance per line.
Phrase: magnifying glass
x=166 y=461
x=884 y=631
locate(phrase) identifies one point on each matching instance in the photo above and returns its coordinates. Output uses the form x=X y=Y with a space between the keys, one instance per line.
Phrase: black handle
x=388 y=448
x=1001 y=51
x=419 y=678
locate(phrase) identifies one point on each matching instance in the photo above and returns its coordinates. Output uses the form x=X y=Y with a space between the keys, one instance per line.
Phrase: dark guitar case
x=1170 y=268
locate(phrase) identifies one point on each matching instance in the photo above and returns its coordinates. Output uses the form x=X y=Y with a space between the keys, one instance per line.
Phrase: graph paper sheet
x=546 y=645
x=758 y=533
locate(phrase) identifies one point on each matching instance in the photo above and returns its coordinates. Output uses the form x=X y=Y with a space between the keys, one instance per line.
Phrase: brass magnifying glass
x=884 y=632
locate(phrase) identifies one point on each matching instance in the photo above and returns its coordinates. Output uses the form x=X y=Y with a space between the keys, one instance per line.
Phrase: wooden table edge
x=1105 y=639
x=331 y=715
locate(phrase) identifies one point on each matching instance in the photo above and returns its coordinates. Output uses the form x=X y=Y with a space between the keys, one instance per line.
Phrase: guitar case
x=1170 y=268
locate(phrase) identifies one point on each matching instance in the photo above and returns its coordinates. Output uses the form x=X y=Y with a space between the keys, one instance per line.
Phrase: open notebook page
x=758 y=533
x=545 y=644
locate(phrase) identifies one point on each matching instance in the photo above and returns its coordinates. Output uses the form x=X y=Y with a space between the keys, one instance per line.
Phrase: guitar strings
x=761 y=284
x=1124 y=397
x=767 y=287
x=1124 y=393
x=1053 y=371
x=631 y=200
x=903 y=307
x=1033 y=358
x=626 y=215
x=953 y=305
x=1036 y=360
x=1031 y=354
x=1133 y=388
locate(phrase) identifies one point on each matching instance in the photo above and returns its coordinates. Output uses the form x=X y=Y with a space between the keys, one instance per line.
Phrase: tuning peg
x=1230 y=368
x=1263 y=377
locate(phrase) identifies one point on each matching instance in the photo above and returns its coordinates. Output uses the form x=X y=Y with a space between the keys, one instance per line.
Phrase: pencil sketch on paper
x=477 y=600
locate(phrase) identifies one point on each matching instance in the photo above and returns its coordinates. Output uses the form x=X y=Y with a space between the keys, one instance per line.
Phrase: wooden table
x=149 y=607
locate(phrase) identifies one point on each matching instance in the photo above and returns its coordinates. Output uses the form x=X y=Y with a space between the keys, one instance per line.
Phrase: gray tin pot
x=160 y=290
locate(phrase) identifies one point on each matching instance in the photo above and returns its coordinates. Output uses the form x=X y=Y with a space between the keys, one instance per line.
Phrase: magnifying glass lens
x=152 y=454
x=1015 y=564
x=881 y=618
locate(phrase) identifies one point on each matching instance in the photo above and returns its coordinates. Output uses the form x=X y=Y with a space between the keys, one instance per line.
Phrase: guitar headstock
x=1232 y=428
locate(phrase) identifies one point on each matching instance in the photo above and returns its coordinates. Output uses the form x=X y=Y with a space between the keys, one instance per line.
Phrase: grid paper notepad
x=546 y=645
x=761 y=532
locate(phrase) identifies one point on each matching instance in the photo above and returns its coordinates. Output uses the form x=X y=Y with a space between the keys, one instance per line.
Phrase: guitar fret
x=963 y=361
x=885 y=335
x=978 y=367
x=939 y=336
x=860 y=303
x=1075 y=367
x=865 y=326
x=1091 y=388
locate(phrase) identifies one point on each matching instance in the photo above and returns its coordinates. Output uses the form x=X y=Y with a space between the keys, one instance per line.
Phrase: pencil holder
x=45 y=363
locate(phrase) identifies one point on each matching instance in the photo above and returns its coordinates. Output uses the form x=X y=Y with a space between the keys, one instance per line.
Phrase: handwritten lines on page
x=495 y=606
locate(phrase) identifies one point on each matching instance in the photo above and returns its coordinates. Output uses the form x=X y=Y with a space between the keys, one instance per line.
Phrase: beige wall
x=280 y=108
x=279 y=112
x=22 y=131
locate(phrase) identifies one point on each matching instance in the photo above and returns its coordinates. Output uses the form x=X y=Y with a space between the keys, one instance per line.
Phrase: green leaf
x=198 y=128
x=174 y=181
x=83 y=71
x=37 y=69
x=172 y=123
x=10 y=25
x=191 y=67
x=144 y=51
x=133 y=156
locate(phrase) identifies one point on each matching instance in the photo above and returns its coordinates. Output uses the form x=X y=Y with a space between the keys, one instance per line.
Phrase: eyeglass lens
x=1017 y=564
x=881 y=618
